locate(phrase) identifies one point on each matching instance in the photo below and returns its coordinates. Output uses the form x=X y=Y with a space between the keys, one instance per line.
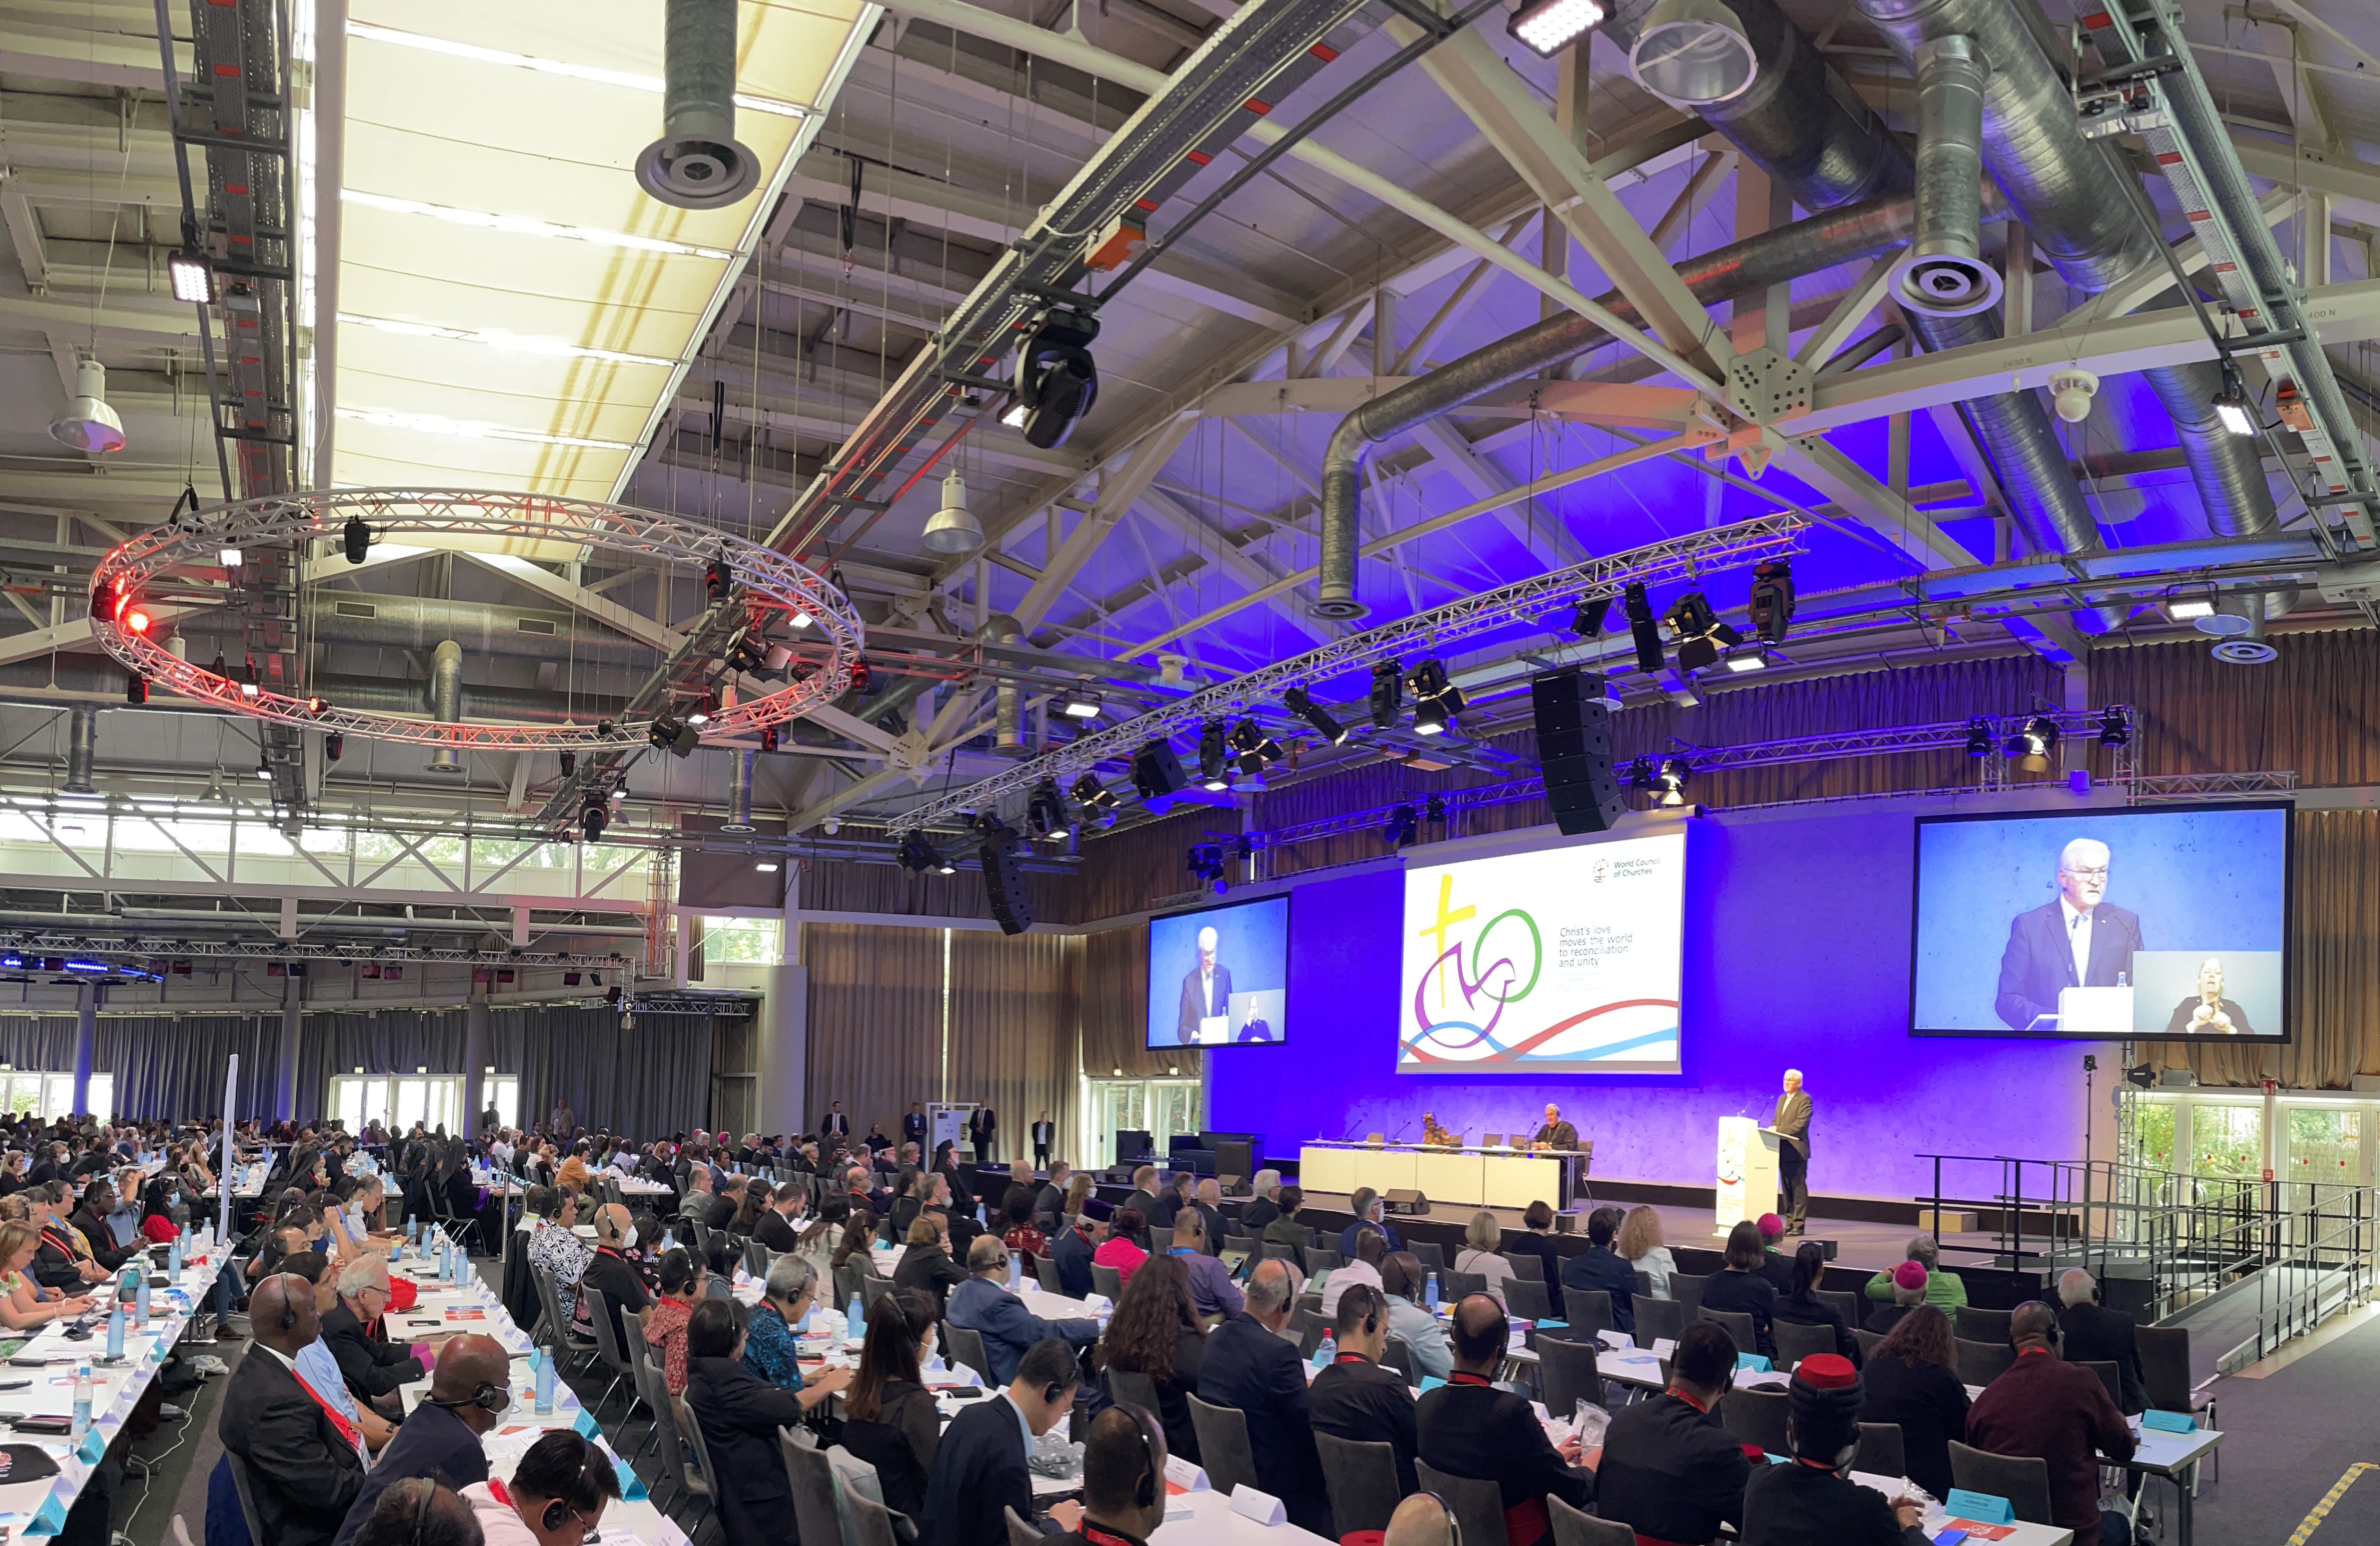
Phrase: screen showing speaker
x=2107 y=925
x=1559 y=960
x=1219 y=976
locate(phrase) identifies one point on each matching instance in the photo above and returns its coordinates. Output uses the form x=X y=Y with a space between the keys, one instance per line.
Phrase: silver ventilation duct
x=697 y=164
x=446 y=703
x=1008 y=698
x=2072 y=195
x=739 y=796
x=82 y=747
x=1945 y=273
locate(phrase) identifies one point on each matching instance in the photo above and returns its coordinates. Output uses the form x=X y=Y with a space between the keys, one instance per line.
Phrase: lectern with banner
x=1747 y=1171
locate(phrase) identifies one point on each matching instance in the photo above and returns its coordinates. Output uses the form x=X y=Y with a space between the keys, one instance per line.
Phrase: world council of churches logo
x=1602 y=868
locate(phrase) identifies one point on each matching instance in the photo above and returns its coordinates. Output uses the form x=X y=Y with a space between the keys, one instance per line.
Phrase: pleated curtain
x=1016 y=1036
x=875 y=1021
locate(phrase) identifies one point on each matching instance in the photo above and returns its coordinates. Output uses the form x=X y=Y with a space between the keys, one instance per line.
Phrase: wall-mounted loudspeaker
x=1004 y=880
x=1575 y=749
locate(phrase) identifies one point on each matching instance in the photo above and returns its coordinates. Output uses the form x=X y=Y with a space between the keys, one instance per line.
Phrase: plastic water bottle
x=1015 y=1270
x=413 y=1229
x=116 y=1332
x=544 y=1365
x=855 y=1321
x=1328 y=1354
x=1429 y=1293
x=173 y=1257
x=141 y=1299
x=669 y=1241
x=82 y=1390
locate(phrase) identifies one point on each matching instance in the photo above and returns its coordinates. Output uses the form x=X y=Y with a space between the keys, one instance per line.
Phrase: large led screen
x=2105 y=925
x=1220 y=977
x=1558 y=961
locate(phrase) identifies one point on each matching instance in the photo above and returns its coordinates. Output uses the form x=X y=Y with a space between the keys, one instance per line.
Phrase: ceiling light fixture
x=1388 y=693
x=2115 y=725
x=594 y=73
x=1056 y=380
x=1078 y=703
x=510 y=343
x=1770 y=604
x=191 y=276
x=89 y=424
x=1699 y=632
x=523 y=226
x=1298 y=701
x=1676 y=773
x=954 y=528
x=2185 y=604
x=1550 y=26
x=765 y=866
x=1436 y=700
x=2231 y=403
x=1214 y=757
x=2030 y=747
x=1979 y=736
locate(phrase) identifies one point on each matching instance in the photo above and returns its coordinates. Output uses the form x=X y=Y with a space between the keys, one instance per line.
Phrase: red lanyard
x=338 y=1420
x=1098 y=1536
x=1464 y=1377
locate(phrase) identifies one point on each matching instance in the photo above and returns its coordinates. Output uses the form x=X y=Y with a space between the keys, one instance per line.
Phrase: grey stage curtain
x=647 y=1081
x=1015 y=1041
x=39 y=1042
x=875 y=1021
x=171 y=1066
x=377 y=1042
x=1116 y=1010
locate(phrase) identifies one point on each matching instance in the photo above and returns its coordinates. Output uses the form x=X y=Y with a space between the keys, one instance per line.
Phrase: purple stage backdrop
x=1797 y=956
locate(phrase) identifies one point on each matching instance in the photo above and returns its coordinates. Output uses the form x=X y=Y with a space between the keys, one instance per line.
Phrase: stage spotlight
x=1587 y=620
x=771 y=737
x=1431 y=718
x=1549 y=26
x=264 y=771
x=592 y=818
x=2030 y=748
x=1436 y=700
x=749 y=652
x=2141 y=1076
x=1297 y=701
x=1388 y=693
x=1647 y=633
x=136 y=688
x=1093 y=796
x=1700 y=634
x=1750 y=655
x=335 y=746
x=2187 y=603
x=2115 y=725
x=1256 y=748
x=917 y=857
x=1156 y=775
x=1675 y=773
x=718 y=579
x=357 y=539
x=1045 y=810
x=1434 y=809
x=1056 y=380
x=1979 y=736
x=1771 y=601
x=668 y=735
x=191 y=276
x=2232 y=405
x=1640 y=774
x=1214 y=754
x=1077 y=703
x=1402 y=826
x=1207 y=863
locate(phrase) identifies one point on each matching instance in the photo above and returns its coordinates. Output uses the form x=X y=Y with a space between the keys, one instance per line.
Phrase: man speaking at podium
x=1206 y=989
x=2079 y=940
x=1791 y=1125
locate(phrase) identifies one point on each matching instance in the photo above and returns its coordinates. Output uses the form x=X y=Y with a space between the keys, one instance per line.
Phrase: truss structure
x=164 y=945
x=1528 y=603
x=768 y=588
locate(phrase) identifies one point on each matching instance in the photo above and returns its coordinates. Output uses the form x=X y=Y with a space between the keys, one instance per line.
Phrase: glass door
x=503 y=1094
x=1174 y=1108
x=1116 y=1105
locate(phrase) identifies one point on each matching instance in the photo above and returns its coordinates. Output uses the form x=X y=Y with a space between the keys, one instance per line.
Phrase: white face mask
x=629 y=1241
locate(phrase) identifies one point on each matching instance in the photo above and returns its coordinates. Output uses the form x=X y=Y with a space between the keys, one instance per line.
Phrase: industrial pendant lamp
x=954 y=528
x=89 y=424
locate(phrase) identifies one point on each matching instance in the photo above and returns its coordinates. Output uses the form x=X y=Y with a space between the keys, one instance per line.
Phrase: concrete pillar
x=785 y=1028
x=476 y=1052
x=284 y=1093
x=86 y=1041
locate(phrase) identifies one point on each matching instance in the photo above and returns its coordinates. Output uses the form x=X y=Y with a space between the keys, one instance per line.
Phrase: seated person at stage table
x=1468 y=1427
x=1945 y=1291
x=1599 y=1267
x=1481 y=1239
x=2081 y=940
x=1813 y=1500
x=1211 y=1288
x=1640 y=1246
x=1355 y=1399
x=1801 y=1306
x=1435 y=1136
x=2093 y=1335
x=1742 y=1290
x=1369 y=1208
x=1402 y=1280
x=1556 y=1133
x=1361 y=1270
x=2044 y=1406
x=984 y=1307
x=1671 y=1471
x=1248 y=1364
x=2207 y=1012
x=1912 y=1383
x=1910 y=1286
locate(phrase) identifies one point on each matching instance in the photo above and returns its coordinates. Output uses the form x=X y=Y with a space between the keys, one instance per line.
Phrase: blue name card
x=1984 y=1508
x=2170 y=1422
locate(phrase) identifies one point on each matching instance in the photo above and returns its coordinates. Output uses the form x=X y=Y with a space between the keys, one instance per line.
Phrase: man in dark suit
x=440 y=1439
x=983 y=1126
x=353 y=1329
x=2095 y=1334
x=913 y=1126
x=1598 y=1268
x=1356 y=1399
x=1248 y=1364
x=980 y=1471
x=834 y=1125
x=2079 y=940
x=1206 y=989
x=1556 y=1133
x=1071 y=1248
x=1050 y=1202
x=1670 y=1470
x=1469 y=1427
x=304 y=1467
x=777 y=1228
x=1790 y=1123
x=1045 y=1137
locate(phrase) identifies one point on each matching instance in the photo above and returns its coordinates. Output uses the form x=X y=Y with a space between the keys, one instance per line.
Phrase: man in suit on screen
x=2079 y=940
x=1206 y=991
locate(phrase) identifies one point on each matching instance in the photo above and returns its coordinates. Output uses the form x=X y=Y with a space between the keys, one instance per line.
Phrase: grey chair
x=692 y=1427
x=1275 y=1250
x=1852 y=1304
x=1738 y=1325
x=1126 y=1386
x=1573 y=1528
x=562 y=1337
x=1045 y=1270
x=1528 y=1266
x=1108 y=1281
x=610 y=1350
x=871 y=1288
x=1399 y=1357
x=2165 y=1380
x=2110 y=1375
x=871 y=1522
x=846 y=1279
x=1567 y=1374
x=1980 y=1363
x=1644 y=1285
x=1323 y=1258
x=1020 y=1532
x=812 y=1476
x=1453 y=1287
x=965 y=1345
x=1657 y=1319
x=1431 y=1255
x=1982 y=1325
x=1588 y=1310
x=1527 y=1299
x=1796 y=1342
x=1223 y=1448
x=2022 y=1480
x=1755 y=1414
x=241 y=1485
x=1477 y=1506
x=1687 y=1289
x=1362 y=1481
x=1868 y=1341
x=755 y=1259
x=1881 y=1451
x=1306 y=1327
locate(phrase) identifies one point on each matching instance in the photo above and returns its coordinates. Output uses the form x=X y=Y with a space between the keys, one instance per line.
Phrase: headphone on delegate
x=421 y=1509
x=1454 y=1525
x=288 y=1322
x=1373 y=1303
x=1143 y=1495
x=488 y=1397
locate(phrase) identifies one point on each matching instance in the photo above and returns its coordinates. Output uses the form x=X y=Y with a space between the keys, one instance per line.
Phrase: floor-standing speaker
x=1575 y=749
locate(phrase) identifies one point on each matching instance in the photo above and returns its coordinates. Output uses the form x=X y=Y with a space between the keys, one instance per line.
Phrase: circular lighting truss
x=769 y=585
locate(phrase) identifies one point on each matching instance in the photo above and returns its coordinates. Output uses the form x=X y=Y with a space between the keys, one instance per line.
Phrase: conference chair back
x=1305 y=1328
x=691 y=1426
x=1323 y=1259
x=1361 y=1480
x=1528 y=1266
x=1644 y=1285
x=1588 y=1310
x=756 y=1260
x=247 y=1495
x=2023 y=1481
x=1982 y=1325
x=1868 y=1341
x=871 y=1288
x=2164 y=1366
x=1046 y=1269
x=2110 y=1376
x=1276 y=1250
x=1021 y=1533
x=667 y=1432
x=1108 y=1281
x=563 y=1338
x=967 y=1347
x=1223 y=1447
x=1477 y=1505
x=1399 y=1357
x=1796 y=1342
x=1567 y=1374
x=1881 y=1450
x=1128 y=1387
x=812 y=1477
x=1980 y=1363
x=1755 y=1414
x=846 y=1279
x=1431 y=1255
x=1656 y=1319
x=607 y=1343
x=871 y=1522
x=1527 y=1299
x=1738 y=1325
x=1687 y=1289
x=1574 y=1528
x=1849 y=1302
x=1453 y=1287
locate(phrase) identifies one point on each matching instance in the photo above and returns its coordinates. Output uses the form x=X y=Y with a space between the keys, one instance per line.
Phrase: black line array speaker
x=1004 y=880
x=1575 y=749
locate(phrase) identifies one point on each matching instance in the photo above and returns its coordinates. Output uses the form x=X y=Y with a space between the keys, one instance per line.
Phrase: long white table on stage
x=1477 y=1177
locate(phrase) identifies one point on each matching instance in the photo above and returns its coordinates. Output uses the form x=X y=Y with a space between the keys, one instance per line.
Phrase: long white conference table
x=1475 y=1177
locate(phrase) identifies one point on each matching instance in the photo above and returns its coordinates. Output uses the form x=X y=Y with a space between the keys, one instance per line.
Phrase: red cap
x=1910 y=1275
x=1771 y=1226
x=1827 y=1371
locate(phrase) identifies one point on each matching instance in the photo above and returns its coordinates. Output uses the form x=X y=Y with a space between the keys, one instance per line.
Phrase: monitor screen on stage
x=1220 y=977
x=1558 y=961
x=2106 y=925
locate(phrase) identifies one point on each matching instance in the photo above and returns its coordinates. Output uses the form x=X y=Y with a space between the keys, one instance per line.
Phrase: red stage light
x=137 y=621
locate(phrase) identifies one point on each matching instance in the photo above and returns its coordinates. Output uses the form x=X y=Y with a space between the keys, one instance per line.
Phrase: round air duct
x=697 y=164
x=1943 y=275
x=89 y=424
x=2243 y=616
x=1690 y=53
x=446 y=704
x=954 y=528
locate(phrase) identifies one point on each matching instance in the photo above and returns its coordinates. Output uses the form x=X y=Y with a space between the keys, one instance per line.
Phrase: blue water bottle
x=544 y=1382
x=82 y=1390
x=1430 y=1293
x=855 y=1320
x=116 y=1332
x=173 y=1257
x=140 y=1297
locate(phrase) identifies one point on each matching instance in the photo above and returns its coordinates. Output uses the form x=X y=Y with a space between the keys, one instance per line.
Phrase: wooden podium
x=1747 y=1171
